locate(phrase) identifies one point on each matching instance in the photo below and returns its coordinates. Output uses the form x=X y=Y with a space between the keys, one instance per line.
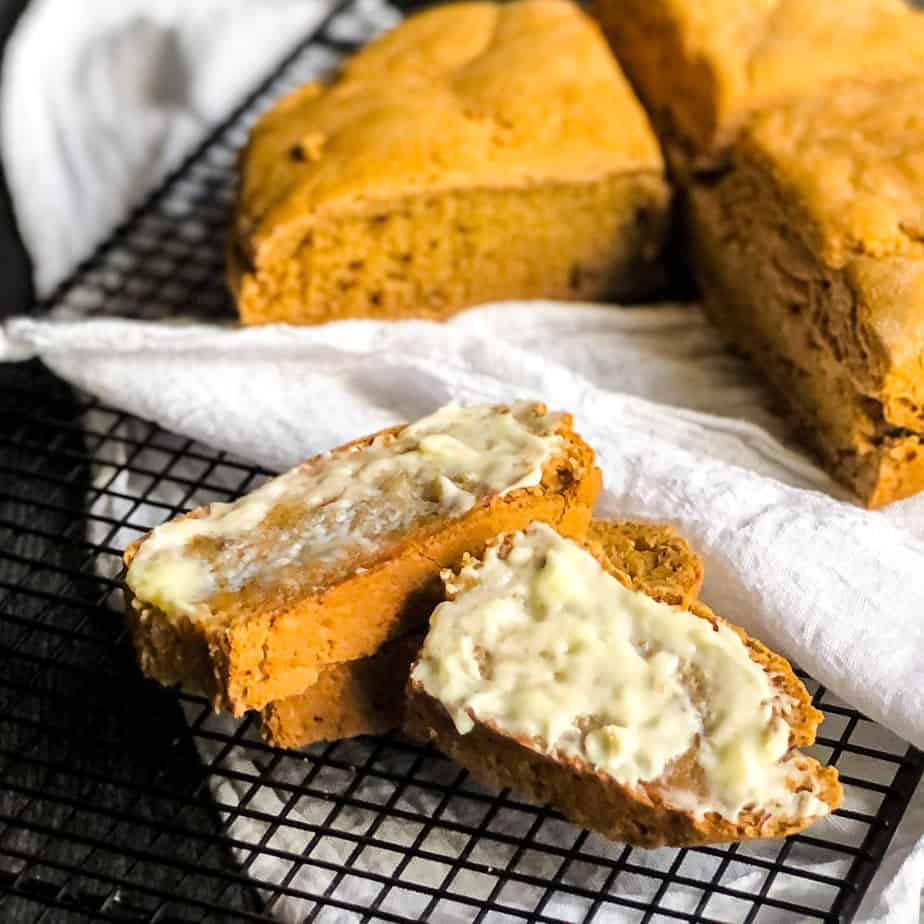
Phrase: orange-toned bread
x=366 y=696
x=810 y=252
x=642 y=813
x=289 y=612
x=360 y=697
x=704 y=67
x=443 y=168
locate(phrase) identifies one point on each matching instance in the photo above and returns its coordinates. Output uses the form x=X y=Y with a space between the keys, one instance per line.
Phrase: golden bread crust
x=441 y=168
x=443 y=102
x=703 y=67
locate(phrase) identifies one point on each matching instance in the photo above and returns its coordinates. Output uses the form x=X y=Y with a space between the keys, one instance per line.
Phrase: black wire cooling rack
x=120 y=801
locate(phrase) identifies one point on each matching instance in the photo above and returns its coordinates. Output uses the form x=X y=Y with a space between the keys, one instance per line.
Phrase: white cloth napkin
x=102 y=97
x=683 y=432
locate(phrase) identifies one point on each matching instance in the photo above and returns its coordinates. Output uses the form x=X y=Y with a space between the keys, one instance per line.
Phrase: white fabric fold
x=102 y=97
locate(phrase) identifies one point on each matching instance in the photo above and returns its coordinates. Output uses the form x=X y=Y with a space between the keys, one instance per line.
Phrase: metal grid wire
x=109 y=815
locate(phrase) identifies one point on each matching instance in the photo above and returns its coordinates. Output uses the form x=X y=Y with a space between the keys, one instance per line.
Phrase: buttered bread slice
x=546 y=671
x=365 y=696
x=247 y=601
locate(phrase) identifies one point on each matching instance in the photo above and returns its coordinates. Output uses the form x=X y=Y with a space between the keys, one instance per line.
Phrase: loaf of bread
x=546 y=671
x=247 y=602
x=703 y=67
x=443 y=167
x=366 y=696
x=810 y=251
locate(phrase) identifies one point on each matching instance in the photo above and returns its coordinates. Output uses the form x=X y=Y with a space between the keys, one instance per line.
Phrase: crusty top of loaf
x=754 y=53
x=854 y=159
x=460 y=96
x=756 y=45
x=850 y=165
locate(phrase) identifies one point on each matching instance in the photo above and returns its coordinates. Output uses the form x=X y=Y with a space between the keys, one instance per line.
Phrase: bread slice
x=247 y=602
x=366 y=696
x=654 y=558
x=442 y=168
x=547 y=672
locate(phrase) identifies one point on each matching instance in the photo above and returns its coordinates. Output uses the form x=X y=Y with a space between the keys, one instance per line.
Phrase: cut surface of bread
x=247 y=601
x=441 y=168
x=546 y=671
x=810 y=254
x=365 y=696
x=704 y=67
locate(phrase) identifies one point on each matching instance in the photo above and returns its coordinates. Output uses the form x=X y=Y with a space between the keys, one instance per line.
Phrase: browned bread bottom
x=366 y=696
x=596 y=801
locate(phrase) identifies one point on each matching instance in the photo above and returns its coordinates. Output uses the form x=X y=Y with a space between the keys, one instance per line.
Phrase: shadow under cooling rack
x=121 y=801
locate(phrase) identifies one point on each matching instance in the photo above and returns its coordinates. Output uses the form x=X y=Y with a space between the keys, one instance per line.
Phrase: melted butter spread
x=544 y=643
x=343 y=503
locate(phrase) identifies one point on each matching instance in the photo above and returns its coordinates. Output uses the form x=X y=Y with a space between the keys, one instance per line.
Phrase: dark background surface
x=15 y=273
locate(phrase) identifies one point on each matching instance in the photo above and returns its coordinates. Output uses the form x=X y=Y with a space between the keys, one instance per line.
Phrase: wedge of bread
x=546 y=671
x=247 y=602
x=441 y=168
x=366 y=696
